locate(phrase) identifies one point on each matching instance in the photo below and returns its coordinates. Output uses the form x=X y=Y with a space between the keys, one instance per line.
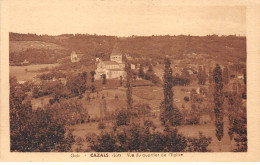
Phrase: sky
x=132 y=17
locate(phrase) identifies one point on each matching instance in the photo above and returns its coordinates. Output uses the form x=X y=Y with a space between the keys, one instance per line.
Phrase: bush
x=51 y=75
x=70 y=112
x=77 y=84
x=122 y=118
x=38 y=131
x=101 y=126
x=92 y=88
x=199 y=144
x=141 y=110
x=186 y=98
x=144 y=138
x=181 y=81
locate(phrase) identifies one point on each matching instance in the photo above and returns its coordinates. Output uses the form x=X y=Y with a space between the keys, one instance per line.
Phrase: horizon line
x=153 y=35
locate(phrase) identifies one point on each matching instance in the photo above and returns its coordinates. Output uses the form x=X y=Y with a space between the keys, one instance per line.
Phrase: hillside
x=221 y=49
x=217 y=48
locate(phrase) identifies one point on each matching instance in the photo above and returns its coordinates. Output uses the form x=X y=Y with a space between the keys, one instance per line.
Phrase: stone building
x=115 y=68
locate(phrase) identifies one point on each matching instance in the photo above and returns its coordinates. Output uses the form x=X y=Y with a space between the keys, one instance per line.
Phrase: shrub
x=199 y=144
x=122 y=118
x=186 y=98
x=141 y=138
x=101 y=125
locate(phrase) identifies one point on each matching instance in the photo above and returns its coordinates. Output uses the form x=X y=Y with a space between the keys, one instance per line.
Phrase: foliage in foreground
x=144 y=138
x=34 y=131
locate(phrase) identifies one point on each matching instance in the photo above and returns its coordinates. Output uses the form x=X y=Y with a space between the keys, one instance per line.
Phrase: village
x=105 y=92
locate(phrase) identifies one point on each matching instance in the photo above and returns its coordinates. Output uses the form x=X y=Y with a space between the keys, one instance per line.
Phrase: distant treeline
x=219 y=48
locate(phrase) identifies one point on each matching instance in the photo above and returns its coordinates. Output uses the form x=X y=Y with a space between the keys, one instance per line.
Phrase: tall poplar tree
x=225 y=76
x=104 y=79
x=141 y=72
x=169 y=114
x=199 y=76
x=129 y=79
x=204 y=75
x=92 y=76
x=218 y=101
x=210 y=76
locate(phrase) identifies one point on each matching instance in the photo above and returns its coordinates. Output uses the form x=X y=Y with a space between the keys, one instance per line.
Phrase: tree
x=92 y=76
x=199 y=76
x=141 y=110
x=141 y=72
x=156 y=80
x=77 y=84
x=69 y=111
x=225 y=76
x=237 y=120
x=104 y=79
x=168 y=94
x=139 y=137
x=199 y=144
x=182 y=80
x=231 y=112
x=210 y=76
x=135 y=75
x=202 y=76
x=169 y=114
x=35 y=91
x=84 y=76
x=32 y=131
x=218 y=100
x=103 y=112
x=60 y=91
x=121 y=81
x=92 y=88
x=129 y=84
x=240 y=130
x=122 y=118
x=149 y=73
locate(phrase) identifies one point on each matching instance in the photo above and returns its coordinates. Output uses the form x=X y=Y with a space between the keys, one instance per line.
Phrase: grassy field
x=28 y=72
x=152 y=96
x=141 y=95
x=17 y=46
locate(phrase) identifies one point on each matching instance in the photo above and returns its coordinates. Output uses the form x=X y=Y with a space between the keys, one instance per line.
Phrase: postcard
x=110 y=80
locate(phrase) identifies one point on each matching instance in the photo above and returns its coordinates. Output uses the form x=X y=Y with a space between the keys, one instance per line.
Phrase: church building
x=115 y=68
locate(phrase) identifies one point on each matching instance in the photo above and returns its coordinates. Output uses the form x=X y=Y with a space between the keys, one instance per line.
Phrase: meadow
x=26 y=73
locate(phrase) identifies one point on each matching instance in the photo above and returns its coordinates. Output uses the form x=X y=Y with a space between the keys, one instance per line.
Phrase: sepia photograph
x=129 y=80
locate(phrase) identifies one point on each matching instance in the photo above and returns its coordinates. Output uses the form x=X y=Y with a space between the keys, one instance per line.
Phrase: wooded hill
x=219 y=48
